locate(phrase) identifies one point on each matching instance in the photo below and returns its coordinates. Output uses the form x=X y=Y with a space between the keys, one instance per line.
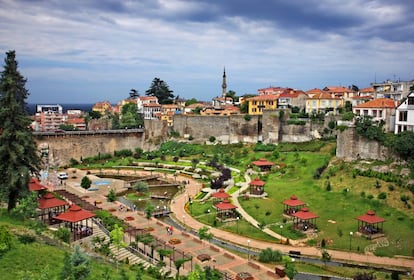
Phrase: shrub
x=391 y=187
x=86 y=182
x=328 y=186
x=212 y=139
x=382 y=195
x=370 y=196
x=247 y=117
x=111 y=195
x=63 y=234
x=268 y=255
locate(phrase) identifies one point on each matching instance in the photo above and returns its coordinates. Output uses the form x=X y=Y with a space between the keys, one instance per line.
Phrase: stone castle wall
x=351 y=146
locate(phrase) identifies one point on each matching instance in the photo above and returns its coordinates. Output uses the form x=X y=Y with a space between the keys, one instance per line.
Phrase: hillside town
x=389 y=102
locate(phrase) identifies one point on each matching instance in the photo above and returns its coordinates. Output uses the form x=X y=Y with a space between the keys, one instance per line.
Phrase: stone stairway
x=123 y=253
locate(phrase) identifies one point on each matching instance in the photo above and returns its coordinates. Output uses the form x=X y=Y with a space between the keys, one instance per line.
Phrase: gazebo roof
x=304 y=214
x=75 y=214
x=220 y=194
x=225 y=205
x=293 y=201
x=262 y=162
x=35 y=186
x=50 y=201
x=257 y=182
x=371 y=218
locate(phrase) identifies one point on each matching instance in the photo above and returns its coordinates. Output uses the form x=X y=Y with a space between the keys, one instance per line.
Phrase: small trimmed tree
x=86 y=182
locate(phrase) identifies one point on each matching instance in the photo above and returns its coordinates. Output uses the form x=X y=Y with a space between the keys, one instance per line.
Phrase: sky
x=85 y=51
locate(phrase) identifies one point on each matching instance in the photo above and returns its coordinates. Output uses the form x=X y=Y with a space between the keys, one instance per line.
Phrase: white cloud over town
x=88 y=51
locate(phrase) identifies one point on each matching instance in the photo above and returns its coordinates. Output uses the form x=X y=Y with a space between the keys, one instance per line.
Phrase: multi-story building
x=103 y=107
x=259 y=103
x=341 y=92
x=294 y=98
x=56 y=108
x=404 y=116
x=396 y=90
x=151 y=111
x=323 y=102
x=380 y=109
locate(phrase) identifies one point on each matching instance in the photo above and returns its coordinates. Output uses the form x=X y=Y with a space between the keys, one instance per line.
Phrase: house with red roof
x=380 y=109
x=341 y=92
x=323 y=102
x=404 y=115
x=292 y=98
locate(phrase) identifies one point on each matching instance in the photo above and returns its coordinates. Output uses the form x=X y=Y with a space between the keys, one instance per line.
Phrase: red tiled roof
x=76 y=121
x=322 y=95
x=257 y=182
x=262 y=162
x=363 y=97
x=225 y=205
x=370 y=218
x=50 y=201
x=367 y=89
x=75 y=214
x=314 y=91
x=220 y=194
x=378 y=103
x=304 y=214
x=334 y=89
x=264 y=97
x=34 y=185
x=293 y=201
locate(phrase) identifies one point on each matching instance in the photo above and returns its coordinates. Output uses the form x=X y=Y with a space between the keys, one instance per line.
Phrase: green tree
x=27 y=206
x=94 y=115
x=160 y=89
x=203 y=233
x=111 y=195
x=348 y=106
x=403 y=144
x=80 y=264
x=117 y=238
x=67 y=127
x=6 y=240
x=191 y=101
x=290 y=268
x=145 y=239
x=18 y=151
x=141 y=186
x=66 y=273
x=326 y=257
x=133 y=93
x=130 y=118
x=86 y=182
x=178 y=264
x=149 y=209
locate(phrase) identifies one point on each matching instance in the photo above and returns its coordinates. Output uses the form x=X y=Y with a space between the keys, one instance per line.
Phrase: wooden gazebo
x=226 y=210
x=220 y=195
x=304 y=219
x=257 y=187
x=371 y=225
x=292 y=205
x=51 y=206
x=263 y=164
x=77 y=219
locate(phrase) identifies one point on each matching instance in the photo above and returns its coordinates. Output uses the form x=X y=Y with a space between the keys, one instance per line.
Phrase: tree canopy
x=160 y=89
x=18 y=151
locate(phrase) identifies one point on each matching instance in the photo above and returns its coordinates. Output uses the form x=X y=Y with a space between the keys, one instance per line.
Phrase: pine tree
x=160 y=89
x=18 y=151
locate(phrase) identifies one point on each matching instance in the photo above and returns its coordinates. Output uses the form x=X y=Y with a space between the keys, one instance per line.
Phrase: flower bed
x=129 y=218
x=111 y=209
x=174 y=241
x=149 y=229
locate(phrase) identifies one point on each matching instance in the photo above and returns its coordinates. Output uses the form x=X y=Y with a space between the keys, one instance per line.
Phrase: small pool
x=102 y=183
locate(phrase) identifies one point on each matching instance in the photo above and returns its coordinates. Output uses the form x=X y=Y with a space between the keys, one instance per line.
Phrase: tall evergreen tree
x=18 y=151
x=160 y=89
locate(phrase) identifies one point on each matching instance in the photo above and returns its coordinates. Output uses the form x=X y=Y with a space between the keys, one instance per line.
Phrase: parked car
x=63 y=176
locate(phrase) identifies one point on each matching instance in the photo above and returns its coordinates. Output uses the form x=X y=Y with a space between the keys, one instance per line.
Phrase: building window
x=410 y=100
x=403 y=116
x=365 y=112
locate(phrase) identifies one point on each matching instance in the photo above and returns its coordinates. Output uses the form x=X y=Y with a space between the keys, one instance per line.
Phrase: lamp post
x=237 y=224
x=350 y=240
x=281 y=232
x=248 y=249
x=191 y=207
x=208 y=211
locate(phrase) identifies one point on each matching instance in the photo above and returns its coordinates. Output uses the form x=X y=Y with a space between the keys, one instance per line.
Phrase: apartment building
x=404 y=115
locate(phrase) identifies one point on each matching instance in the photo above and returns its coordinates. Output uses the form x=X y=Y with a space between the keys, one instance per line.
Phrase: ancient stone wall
x=351 y=146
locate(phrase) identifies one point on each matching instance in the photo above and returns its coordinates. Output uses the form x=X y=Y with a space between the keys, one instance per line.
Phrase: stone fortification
x=351 y=146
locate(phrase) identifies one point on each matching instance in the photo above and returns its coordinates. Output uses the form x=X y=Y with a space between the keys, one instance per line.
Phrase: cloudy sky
x=84 y=51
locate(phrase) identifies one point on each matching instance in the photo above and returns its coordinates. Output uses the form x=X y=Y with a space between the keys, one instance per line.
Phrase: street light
x=237 y=224
x=248 y=249
x=191 y=207
x=350 y=240
x=208 y=211
x=281 y=232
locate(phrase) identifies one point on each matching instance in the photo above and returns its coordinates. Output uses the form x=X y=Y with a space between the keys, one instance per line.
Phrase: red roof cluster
x=378 y=103
x=293 y=201
x=75 y=214
x=257 y=182
x=220 y=194
x=225 y=205
x=305 y=214
x=262 y=162
x=35 y=186
x=371 y=218
x=50 y=201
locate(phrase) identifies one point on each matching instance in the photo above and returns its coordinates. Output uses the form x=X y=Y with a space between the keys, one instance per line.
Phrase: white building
x=404 y=115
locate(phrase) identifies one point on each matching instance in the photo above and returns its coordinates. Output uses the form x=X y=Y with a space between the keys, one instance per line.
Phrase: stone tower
x=224 y=84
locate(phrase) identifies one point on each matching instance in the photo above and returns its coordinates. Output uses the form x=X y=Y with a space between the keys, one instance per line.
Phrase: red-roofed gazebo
x=257 y=187
x=370 y=224
x=292 y=205
x=226 y=210
x=263 y=164
x=220 y=195
x=76 y=216
x=304 y=219
x=50 y=207
x=35 y=186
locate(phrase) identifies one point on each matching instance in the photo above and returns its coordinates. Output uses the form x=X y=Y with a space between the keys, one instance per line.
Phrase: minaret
x=224 y=84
